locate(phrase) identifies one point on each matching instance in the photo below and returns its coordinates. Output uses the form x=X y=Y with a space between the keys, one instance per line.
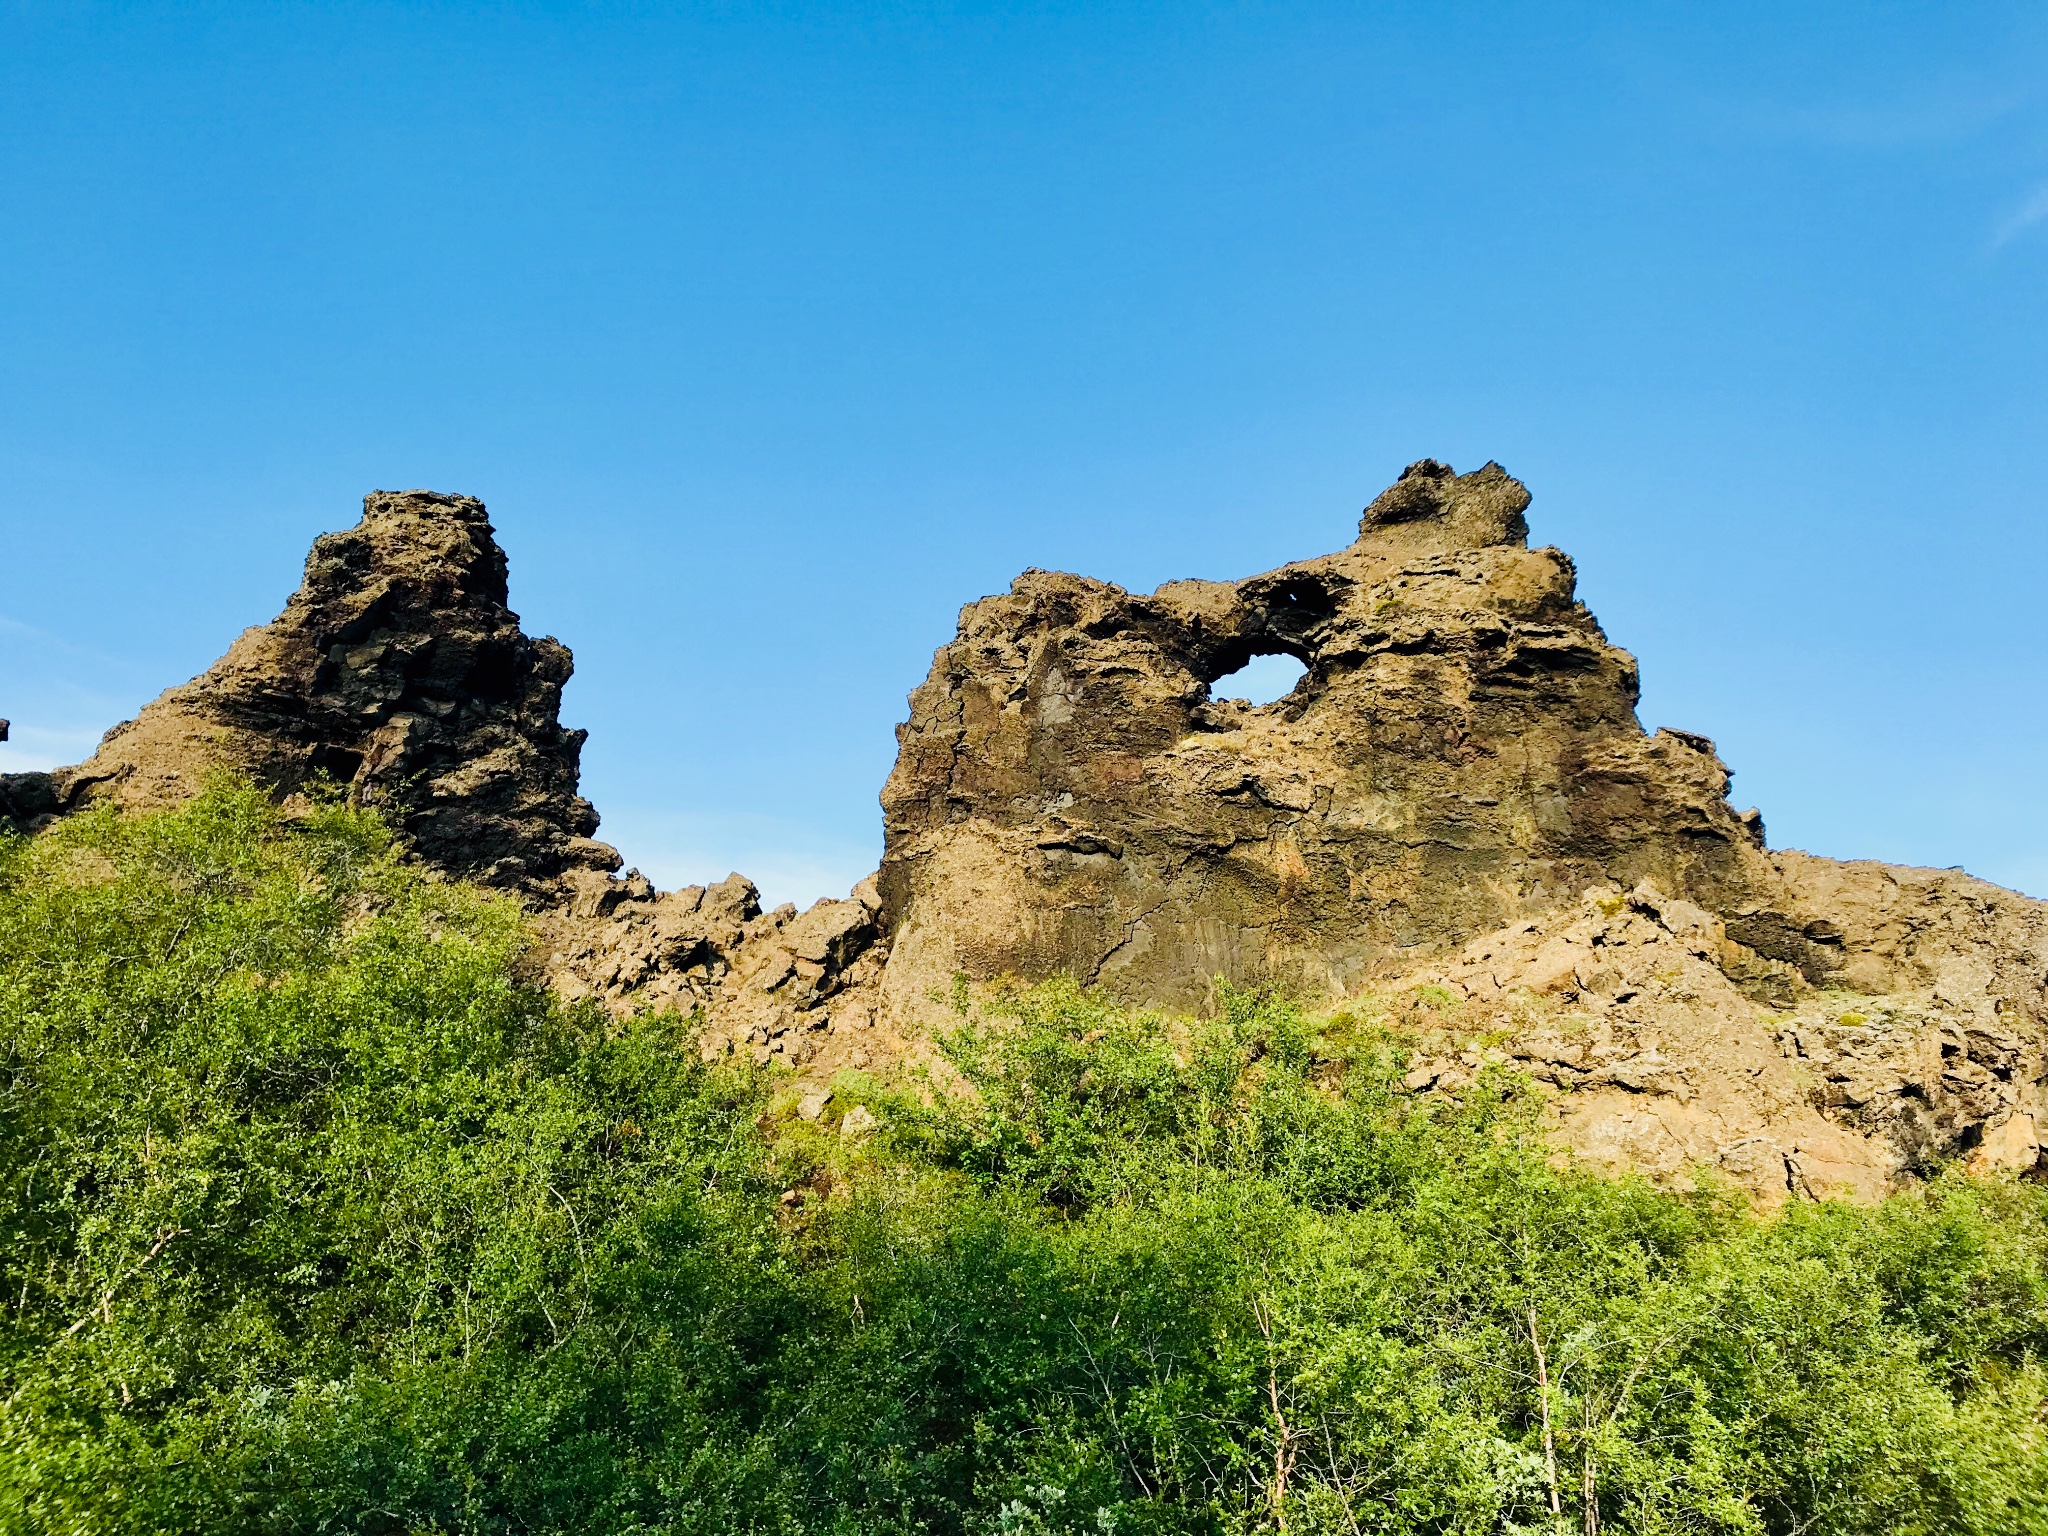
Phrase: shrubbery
x=318 y=1215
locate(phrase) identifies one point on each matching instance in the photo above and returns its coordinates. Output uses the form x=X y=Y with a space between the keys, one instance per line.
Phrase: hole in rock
x=1261 y=680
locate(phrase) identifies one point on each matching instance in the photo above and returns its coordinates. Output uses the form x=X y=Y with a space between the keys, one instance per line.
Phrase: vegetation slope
x=319 y=1215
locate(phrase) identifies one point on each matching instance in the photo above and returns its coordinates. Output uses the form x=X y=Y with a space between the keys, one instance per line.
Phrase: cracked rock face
x=396 y=670
x=1070 y=796
x=1459 y=765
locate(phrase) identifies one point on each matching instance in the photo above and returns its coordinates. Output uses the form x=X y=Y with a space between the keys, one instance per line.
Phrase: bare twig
x=582 y=1258
x=1284 y=1450
x=1589 y=1494
x=1109 y=1402
x=1543 y=1398
x=1338 y=1481
x=105 y=1305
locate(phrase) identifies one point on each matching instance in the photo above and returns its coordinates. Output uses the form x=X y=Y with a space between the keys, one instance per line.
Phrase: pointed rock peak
x=397 y=672
x=1434 y=508
x=428 y=547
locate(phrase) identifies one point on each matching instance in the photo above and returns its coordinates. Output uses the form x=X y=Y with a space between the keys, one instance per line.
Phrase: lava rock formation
x=1454 y=825
x=396 y=671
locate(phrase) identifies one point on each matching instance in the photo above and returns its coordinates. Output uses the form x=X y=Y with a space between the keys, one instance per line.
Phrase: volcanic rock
x=794 y=988
x=1454 y=826
x=1624 y=1004
x=1462 y=749
x=396 y=672
x=1460 y=761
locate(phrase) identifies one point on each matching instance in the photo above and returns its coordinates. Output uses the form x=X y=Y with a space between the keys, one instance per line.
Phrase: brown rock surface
x=1463 y=749
x=795 y=988
x=1623 y=1003
x=1460 y=761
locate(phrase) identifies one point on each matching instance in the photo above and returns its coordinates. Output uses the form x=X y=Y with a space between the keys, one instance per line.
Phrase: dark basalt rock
x=396 y=671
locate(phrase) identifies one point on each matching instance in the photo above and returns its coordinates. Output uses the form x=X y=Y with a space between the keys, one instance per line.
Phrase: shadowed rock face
x=396 y=670
x=1462 y=750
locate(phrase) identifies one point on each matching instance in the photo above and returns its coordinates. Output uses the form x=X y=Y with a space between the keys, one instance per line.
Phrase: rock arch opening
x=1265 y=679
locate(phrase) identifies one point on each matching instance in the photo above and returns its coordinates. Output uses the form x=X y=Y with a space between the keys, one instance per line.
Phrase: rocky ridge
x=1454 y=822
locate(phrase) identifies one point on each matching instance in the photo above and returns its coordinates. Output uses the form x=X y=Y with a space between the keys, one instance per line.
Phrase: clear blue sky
x=773 y=334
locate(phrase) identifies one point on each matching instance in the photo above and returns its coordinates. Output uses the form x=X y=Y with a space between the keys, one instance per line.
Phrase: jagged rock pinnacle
x=397 y=671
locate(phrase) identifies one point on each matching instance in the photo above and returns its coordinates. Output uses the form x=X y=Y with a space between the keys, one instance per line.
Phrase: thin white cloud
x=1944 y=112
x=2031 y=211
x=29 y=634
x=16 y=627
x=1941 y=120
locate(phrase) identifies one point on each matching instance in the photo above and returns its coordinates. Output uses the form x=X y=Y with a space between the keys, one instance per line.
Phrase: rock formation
x=396 y=671
x=398 y=674
x=1454 y=825
x=1627 y=1004
x=1460 y=761
x=1462 y=749
x=797 y=988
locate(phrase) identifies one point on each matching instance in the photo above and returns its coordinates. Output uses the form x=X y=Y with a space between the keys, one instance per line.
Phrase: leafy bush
x=320 y=1215
x=314 y=1209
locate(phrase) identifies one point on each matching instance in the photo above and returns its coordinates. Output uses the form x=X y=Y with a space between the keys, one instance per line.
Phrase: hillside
x=321 y=1213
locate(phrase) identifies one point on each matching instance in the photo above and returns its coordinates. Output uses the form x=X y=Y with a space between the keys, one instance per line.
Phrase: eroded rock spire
x=396 y=671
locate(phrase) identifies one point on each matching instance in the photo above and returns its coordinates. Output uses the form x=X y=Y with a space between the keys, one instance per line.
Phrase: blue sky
x=773 y=334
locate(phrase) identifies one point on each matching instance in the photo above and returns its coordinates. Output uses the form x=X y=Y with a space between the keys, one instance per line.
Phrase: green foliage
x=312 y=1207
x=318 y=1216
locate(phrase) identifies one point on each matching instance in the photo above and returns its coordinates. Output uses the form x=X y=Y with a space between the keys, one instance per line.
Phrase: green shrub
x=320 y=1216
x=300 y=1177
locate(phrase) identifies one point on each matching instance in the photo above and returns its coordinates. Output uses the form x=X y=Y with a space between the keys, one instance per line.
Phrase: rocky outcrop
x=1625 y=1005
x=795 y=988
x=1069 y=796
x=397 y=672
x=27 y=800
x=1454 y=824
x=1460 y=761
